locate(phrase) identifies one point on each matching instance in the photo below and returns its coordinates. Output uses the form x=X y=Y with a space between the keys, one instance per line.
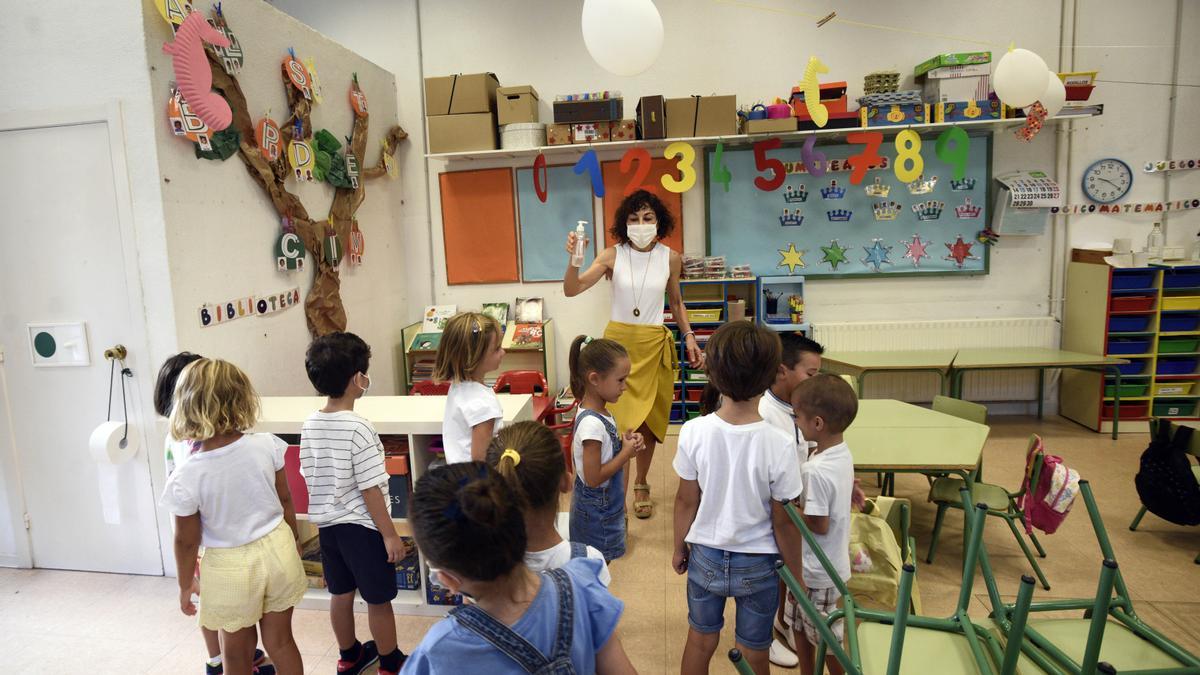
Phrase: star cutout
x=877 y=254
x=915 y=250
x=960 y=251
x=791 y=258
x=834 y=254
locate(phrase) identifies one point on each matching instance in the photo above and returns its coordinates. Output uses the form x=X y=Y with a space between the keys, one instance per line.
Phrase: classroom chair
x=1108 y=637
x=1000 y=503
x=1193 y=449
x=527 y=382
x=430 y=388
x=878 y=642
x=853 y=382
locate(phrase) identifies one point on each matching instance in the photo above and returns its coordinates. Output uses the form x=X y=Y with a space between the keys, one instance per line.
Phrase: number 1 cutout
x=591 y=164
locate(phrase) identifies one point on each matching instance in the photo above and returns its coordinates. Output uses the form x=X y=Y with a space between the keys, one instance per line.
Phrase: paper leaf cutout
x=289 y=252
x=266 y=134
x=298 y=75
x=358 y=100
x=326 y=142
x=185 y=123
x=358 y=245
x=173 y=11
x=232 y=56
x=321 y=163
x=313 y=81
x=389 y=164
x=352 y=168
x=301 y=157
x=333 y=247
x=192 y=73
x=224 y=145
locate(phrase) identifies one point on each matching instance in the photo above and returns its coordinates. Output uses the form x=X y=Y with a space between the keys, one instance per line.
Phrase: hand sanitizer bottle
x=580 y=244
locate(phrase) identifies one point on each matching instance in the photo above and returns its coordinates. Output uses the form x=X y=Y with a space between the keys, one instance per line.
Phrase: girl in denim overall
x=598 y=371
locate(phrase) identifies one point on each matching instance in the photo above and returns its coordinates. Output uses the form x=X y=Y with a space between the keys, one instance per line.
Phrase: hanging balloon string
x=125 y=372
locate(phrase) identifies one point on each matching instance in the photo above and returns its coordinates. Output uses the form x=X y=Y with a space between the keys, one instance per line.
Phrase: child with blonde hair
x=470 y=348
x=232 y=497
x=529 y=457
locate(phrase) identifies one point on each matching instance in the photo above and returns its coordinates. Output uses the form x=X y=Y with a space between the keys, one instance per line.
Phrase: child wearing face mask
x=341 y=458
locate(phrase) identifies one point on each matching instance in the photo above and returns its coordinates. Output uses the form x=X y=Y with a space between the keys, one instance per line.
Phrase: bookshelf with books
x=523 y=351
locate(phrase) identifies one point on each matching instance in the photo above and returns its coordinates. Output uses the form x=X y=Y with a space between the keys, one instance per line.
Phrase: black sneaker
x=210 y=669
x=367 y=656
x=259 y=667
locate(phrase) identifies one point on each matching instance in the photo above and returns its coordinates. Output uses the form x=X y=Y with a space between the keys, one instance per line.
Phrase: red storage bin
x=1129 y=411
x=693 y=394
x=291 y=469
x=1132 y=303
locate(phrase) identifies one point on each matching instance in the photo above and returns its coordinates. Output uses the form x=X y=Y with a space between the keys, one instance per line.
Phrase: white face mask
x=367 y=386
x=642 y=234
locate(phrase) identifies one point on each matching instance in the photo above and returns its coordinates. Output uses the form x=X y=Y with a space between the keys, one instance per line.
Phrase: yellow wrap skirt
x=650 y=386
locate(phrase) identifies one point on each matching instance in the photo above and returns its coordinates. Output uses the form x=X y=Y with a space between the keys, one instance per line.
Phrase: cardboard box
x=651 y=117
x=833 y=95
x=590 y=132
x=770 y=126
x=957 y=83
x=597 y=110
x=623 y=130
x=461 y=94
x=837 y=120
x=965 y=111
x=701 y=116
x=558 y=134
x=959 y=59
x=892 y=115
x=515 y=105
x=462 y=133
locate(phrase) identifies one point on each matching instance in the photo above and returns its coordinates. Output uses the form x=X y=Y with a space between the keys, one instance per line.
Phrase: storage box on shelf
x=1150 y=316
x=709 y=303
x=782 y=300
x=417 y=364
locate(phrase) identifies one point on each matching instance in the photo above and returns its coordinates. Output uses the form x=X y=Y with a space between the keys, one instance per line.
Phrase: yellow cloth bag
x=875 y=556
x=651 y=383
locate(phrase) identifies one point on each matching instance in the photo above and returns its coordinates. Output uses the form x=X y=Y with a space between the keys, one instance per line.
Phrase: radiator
x=1004 y=385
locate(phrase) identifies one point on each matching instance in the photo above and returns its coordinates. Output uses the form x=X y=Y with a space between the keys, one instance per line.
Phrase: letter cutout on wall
x=266 y=134
x=192 y=73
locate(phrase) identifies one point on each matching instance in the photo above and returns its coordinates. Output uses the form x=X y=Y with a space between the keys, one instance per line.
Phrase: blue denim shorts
x=749 y=578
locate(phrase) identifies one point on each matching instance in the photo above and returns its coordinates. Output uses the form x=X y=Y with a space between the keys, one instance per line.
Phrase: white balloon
x=1020 y=78
x=1055 y=96
x=623 y=36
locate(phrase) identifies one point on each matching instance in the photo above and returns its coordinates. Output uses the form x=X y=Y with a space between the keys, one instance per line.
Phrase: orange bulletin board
x=479 y=226
x=614 y=192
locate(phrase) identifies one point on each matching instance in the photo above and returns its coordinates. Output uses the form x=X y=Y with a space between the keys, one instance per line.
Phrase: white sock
x=215 y=661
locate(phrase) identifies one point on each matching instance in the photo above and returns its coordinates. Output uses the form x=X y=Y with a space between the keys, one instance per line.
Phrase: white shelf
x=736 y=139
x=407 y=602
x=389 y=414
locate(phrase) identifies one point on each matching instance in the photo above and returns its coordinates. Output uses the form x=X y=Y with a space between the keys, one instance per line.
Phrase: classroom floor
x=125 y=624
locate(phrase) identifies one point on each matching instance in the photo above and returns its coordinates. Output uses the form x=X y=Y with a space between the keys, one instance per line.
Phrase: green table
x=1039 y=359
x=859 y=364
x=893 y=436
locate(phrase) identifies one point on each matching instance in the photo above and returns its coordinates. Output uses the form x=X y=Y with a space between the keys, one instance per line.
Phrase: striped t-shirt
x=340 y=456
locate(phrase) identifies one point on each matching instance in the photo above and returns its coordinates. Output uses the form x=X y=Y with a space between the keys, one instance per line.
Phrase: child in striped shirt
x=341 y=458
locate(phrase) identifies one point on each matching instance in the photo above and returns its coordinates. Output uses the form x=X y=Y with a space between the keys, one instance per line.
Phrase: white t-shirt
x=591 y=429
x=781 y=416
x=340 y=456
x=740 y=469
x=233 y=490
x=828 y=484
x=467 y=404
x=560 y=554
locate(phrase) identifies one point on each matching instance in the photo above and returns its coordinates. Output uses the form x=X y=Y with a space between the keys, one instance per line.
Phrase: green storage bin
x=1174 y=408
x=1168 y=346
x=1127 y=390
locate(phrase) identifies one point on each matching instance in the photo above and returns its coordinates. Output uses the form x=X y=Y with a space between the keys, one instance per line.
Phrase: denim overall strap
x=609 y=427
x=561 y=654
x=578 y=549
x=501 y=637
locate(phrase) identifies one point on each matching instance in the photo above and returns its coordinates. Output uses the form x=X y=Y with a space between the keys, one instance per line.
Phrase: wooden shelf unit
x=541 y=360
x=1088 y=316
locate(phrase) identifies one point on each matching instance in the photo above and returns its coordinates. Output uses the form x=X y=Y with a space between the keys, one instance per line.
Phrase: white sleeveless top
x=630 y=268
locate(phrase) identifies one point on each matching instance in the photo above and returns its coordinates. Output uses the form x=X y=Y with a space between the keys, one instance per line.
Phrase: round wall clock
x=1107 y=180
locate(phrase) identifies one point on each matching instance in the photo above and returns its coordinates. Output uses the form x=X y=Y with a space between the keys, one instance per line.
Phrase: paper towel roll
x=107 y=447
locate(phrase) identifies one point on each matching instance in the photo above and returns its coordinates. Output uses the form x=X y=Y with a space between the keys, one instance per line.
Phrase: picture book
x=436 y=317
x=529 y=310
x=496 y=310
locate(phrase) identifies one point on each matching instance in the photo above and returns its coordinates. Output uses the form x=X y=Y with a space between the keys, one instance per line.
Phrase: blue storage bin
x=1177 y=323
x=1181 y=279
x=1129 y=346
x=1133 y=368
x=1132 y=279
x=1185 y=366
x=1128 y=324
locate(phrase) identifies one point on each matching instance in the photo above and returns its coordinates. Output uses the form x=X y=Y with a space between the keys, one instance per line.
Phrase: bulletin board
x=544 y=225
x=826 y=227
x=614 y=192
x=479 y=226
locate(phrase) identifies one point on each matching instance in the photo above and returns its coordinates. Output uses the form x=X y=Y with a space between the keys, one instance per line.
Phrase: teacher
x=642 y=269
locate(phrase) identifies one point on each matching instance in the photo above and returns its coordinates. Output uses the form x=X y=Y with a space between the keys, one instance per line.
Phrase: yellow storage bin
x=1173 y=388
x=711 y=315
x=1180 y=302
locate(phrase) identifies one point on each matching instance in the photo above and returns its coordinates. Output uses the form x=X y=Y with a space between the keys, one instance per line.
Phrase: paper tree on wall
x=323 y=307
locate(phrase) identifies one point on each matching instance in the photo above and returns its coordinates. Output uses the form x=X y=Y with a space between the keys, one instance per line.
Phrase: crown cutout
x=921 y=186
x=964 y=185
x=967 y=209
x=886 y=210
x=839 y=215
x=797 y=196
x=790 y=218
x=833 y=191
x=878 y=188
x=930 y=210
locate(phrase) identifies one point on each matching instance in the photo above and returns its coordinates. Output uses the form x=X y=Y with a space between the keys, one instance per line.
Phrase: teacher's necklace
x=637 y=299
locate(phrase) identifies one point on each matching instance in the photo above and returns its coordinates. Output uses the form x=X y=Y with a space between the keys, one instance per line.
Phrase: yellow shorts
x=239 y=585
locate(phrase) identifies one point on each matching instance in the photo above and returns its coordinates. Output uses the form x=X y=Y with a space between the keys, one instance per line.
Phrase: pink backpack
x=1046 y=504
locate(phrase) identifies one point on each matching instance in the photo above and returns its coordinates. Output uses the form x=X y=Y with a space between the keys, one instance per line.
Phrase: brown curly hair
x=634 y=203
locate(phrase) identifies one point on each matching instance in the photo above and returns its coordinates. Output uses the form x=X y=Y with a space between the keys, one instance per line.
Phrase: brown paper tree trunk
x=323 y=307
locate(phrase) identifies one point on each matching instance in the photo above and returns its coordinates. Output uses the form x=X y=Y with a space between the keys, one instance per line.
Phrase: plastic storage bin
x=1132 y=279
x=1129 y=411
x=703 y=315
x=1128 y=324
x=1182 y=279
x=1177 y=345
x=1176 y=366
x=1178 y=323
x=1135 y=303
x=1129 y=345
x=1174 y=408
x=1133 y=368
x=1127 y=390
x=1173 y=388
x=1181 y=302
x=694 y=393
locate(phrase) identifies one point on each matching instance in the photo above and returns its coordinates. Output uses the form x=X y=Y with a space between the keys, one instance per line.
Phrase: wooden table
x=1039 y=359
x=898 y=437
x=859 y=364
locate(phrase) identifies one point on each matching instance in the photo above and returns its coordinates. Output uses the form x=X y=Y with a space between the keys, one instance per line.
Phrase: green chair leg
x=1028 y=554
x=1038 y=545
x=1138 y=519
x=739 y=663
x=937 y=530
x=1012 y=651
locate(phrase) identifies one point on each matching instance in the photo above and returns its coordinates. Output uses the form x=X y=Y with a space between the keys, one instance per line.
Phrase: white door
x=63 y=262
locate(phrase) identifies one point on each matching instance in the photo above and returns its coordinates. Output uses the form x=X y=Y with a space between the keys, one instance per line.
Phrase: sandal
x=643 y=509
